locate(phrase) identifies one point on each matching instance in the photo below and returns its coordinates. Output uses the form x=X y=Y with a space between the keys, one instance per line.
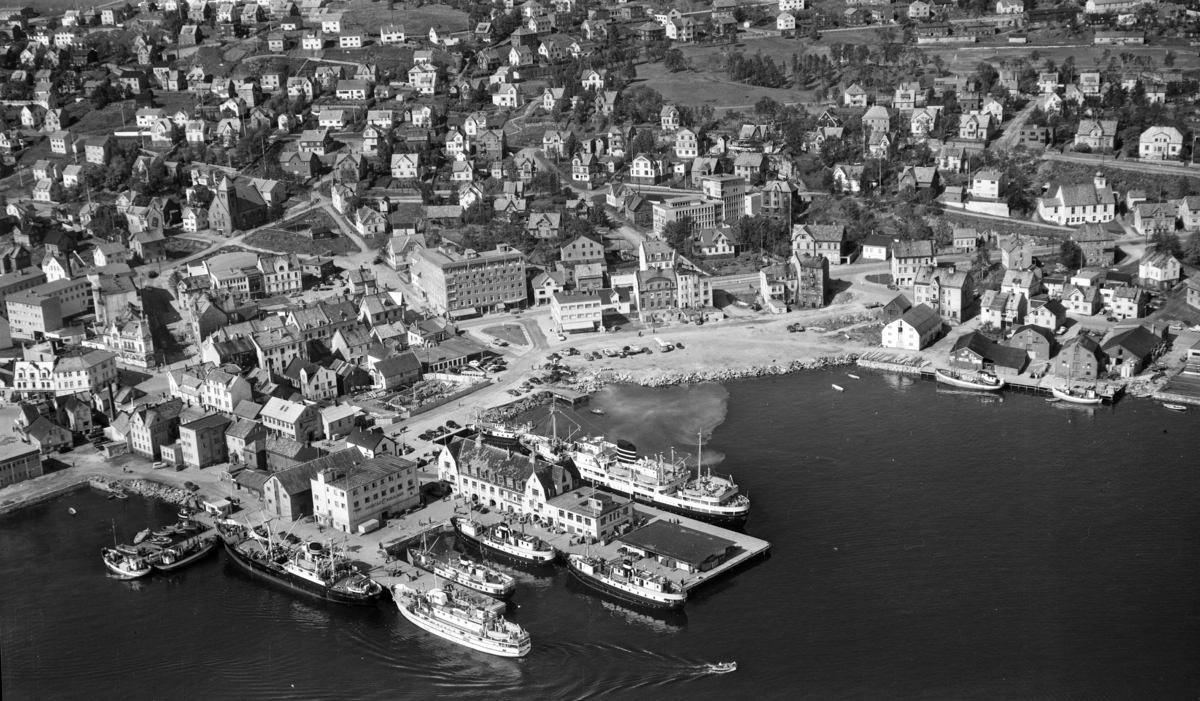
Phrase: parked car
x=452 y=425
x=513 y=392
x=1111 y=319
x=534 y=381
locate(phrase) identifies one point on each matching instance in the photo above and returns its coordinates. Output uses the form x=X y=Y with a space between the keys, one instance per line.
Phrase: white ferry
x=502 y=539
x=464 y=572
x=447 y=614
x=662 y=483
x=623 y=580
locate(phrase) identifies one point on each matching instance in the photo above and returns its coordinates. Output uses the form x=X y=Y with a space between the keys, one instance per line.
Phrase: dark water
x=926 y=545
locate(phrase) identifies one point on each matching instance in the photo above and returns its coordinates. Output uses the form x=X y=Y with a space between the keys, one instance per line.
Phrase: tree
x=674 y=61
x=1191 y=251
x=1070 y=254
x=1167 y=241
x=643 y=142
x=983 y=257
x=678 y=233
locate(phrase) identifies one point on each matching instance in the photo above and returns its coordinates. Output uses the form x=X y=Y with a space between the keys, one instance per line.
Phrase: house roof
x=678 y=542
x=283 y=410
x=913 y=249
x=1138 y=342
x=922 y=319
x=404 y=363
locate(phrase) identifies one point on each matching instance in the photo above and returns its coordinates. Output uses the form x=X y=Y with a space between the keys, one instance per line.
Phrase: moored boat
x=142 y=535
x=1175 y=407
x=319 y=573
x=124 y=565
x=179 y=556
x=451 y=615
x=464 y=572
x=501 y=539
x=984 y=381
x=839 y=388
x=598 y=412
x=624 y=580
x=1078 y=395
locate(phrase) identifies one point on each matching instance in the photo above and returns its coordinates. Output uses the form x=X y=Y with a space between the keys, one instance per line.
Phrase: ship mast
x=699 y=449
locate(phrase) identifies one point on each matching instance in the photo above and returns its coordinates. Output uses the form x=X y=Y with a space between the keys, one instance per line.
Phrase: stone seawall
x=721 y=375
x=9 y=506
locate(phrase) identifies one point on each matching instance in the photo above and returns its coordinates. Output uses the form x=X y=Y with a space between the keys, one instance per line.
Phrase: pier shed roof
x=678 y=542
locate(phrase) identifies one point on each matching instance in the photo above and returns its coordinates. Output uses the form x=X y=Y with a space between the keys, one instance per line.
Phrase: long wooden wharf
x=916 y=366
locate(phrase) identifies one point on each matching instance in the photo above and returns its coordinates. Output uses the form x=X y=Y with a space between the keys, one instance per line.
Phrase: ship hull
x=964 y=384
x=496 y=591
x=180 y=564
x=299 y=584
x=625 y=597
x=459 y=637
x=514 y=556
x=733 y=519
x=1067 y=397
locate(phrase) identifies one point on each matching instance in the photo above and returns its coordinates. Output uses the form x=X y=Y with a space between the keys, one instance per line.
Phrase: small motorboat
x=142 y=535
x=1175 y=407
x=1053 y=399
x=598 y=412
x=839 y=388
x=723 y=667
x=852 y=376
x=71 y=511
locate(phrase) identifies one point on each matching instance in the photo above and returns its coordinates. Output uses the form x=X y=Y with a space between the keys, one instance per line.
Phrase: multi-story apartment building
x=297 y=421
x=461 y=284
x=731 y=190
x=203 y=441
x=152 y=427
x=281 y=274
x=703 y=212
x=352 y=493
x=908 y=258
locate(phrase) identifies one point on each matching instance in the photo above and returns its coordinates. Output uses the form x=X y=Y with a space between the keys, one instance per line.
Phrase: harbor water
x=926 y=544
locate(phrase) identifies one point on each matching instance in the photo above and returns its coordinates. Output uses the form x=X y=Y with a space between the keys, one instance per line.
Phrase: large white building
x=703 y=212
x=1082 y=203
x=354 y=495
x=917 y=329
x=462 y=284
x=575 y=312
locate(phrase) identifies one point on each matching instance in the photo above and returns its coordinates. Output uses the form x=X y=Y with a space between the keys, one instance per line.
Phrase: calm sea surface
x=926 y=545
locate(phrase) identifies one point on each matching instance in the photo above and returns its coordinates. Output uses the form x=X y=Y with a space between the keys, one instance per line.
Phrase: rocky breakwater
x=146 y=488
x=668 y=379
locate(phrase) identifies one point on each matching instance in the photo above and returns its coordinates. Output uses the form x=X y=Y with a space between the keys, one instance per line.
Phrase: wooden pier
x=916 y=366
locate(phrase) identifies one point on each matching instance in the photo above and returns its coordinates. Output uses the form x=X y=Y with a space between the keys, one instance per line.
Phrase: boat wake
x=602 y=670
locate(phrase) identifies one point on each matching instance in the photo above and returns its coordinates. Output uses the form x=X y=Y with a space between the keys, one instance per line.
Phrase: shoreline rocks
x=604 y=378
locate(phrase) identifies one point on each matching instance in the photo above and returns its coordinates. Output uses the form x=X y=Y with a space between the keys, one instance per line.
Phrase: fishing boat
x=598 y=412
x=318 y=571
x=1175 y=407
x=623 y=580
x=1078 y=395
x=839 y=388
x=466 y=573
x=723 y=667
x=449 y=614
x=501 y=539
x=179 y=556
x=984 y=381
x=124 y=565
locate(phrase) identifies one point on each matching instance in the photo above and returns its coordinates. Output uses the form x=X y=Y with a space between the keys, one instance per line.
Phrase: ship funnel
x=626 y=452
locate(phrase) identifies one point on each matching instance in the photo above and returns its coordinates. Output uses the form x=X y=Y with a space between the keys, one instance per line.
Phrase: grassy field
x=286 y=242
x=712 y=88
x=371 y=16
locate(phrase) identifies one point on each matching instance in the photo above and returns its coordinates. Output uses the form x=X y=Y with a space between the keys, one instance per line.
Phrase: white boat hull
x=460 y=637
x=1067 y=397
x=964 y=384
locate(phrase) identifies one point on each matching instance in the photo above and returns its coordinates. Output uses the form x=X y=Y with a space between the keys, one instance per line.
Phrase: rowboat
x=1175 y=407
x=853 y=376
x=838 y=388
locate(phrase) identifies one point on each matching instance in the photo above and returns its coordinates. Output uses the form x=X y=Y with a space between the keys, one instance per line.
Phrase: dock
x=892 y=362
x=915 y=366
x=746 y=548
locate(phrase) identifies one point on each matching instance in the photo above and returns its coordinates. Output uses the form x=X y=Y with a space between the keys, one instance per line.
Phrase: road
x=1008 y=140
x=1190 y=171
